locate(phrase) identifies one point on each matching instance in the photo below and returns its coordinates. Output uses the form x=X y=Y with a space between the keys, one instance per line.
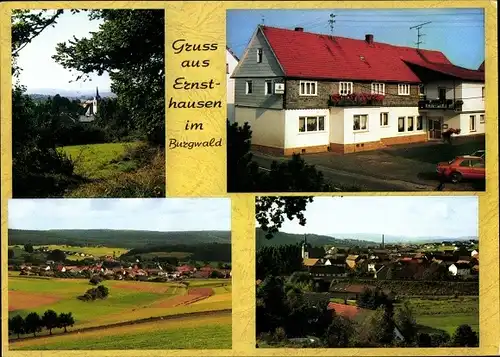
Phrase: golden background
x=202 y=171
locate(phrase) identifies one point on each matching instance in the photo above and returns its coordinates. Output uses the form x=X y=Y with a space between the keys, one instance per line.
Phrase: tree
x=50 y=320
x=102 y=291
x=17 y=325
x=424 y=340
x=56 y=255
x=66 y=320
x=406 y=322
x=96 y=279
x=339 y=333
x=33 y=323
x=28 y=248
x=10 y=254
x=270 y=211
x=464 y=336
x=129 y=45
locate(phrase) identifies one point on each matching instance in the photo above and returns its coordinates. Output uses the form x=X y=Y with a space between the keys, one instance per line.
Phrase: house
x=460 y=269
x=304 y=92
x=352 y=260
x=231 y=63
x=90 y=108
x=474 y=253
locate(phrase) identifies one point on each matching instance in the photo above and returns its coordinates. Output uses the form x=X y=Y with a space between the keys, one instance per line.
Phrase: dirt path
x=224 y=312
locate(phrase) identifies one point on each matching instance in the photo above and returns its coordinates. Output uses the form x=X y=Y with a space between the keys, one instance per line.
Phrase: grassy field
x=98 y=161
x=185 y=333
x=95 y=251
x=127 y=301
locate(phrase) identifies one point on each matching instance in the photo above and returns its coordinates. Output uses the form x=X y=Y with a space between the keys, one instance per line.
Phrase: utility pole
x=419 y=35
x=331 y=22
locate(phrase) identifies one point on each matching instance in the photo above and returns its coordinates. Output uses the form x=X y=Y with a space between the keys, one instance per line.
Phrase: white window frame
x=481 y=119
x=404 y=124
x=265 y=86
x=259 y=55
x=472 y=123
x=304 y=84
x=360 y=128
x=403 y=89
x=248 y=87
x=412 y=118
x=416 y=123
x=382 y=125
x=317 y=117
x=378 y=88
x=482 y=92
x=345 y=88
x=421 y=90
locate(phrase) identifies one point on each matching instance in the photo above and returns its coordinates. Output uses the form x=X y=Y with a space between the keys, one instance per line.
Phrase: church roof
x=309 y=262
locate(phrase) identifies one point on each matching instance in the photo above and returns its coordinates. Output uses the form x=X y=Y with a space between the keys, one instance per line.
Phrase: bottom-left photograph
x=108 y=274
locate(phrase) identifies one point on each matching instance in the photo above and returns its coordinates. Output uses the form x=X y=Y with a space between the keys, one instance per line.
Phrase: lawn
x=201 y=332
x=127 y=301
x=446 y=314
x=98 y=161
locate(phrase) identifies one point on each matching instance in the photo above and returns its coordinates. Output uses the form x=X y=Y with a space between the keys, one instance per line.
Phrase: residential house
x=304 y=92
x=459 y=269
x=231 y=63
x=474 y=253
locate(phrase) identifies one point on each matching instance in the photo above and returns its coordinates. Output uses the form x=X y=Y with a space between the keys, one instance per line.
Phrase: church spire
x=97 y=93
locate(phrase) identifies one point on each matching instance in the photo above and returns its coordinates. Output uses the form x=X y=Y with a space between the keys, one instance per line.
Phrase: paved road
x=351 y=179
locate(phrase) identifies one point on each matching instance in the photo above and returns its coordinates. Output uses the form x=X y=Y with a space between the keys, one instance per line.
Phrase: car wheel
x=456 y=177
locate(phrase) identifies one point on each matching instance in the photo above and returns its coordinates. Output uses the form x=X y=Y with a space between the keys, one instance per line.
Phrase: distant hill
x=398 y=239
x=116 y=238
x=282 y=238
x=41 y=94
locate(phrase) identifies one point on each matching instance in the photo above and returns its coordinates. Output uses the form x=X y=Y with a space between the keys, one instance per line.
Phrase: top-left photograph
x=88 y=103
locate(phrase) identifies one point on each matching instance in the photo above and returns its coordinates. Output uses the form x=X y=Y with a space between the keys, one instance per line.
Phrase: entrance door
x=435 y=128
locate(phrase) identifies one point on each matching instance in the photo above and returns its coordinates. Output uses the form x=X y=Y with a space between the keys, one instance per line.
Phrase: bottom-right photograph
x=367 y=271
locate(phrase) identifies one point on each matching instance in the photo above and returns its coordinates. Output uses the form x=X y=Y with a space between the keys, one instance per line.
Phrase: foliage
x=464 y=336
x=56 y=255
x=50 y=320
x=406 y=322
x=278 y=261
x=101 y=292
x=372 y=299
x=28 y=248
x=340 y=333
x=17 y=325
x=32 y=323
x=129 y=45
x=337 y=100
x=66 y=320
x=95 y=280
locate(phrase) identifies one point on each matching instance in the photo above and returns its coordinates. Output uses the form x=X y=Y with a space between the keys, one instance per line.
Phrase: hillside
x=376 y=237
x=282 y=238
x=116 y=238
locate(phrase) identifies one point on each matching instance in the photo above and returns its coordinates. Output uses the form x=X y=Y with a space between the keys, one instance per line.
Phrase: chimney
x=299 y=29
x=369 y=38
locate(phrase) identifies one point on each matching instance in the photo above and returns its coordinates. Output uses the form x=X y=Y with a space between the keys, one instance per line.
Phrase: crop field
x=207 y=332
x=94 y=251
x=446 y=314
x=97 y=161
x=127 y=301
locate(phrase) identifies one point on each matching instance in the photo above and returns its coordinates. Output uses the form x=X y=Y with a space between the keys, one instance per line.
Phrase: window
x=410 y=123
x=472 y=123
x=403 y=89
x=384 y=119
x=360 y=122
x=311 y=124
x=420 y=123
x=442 y=93
x=482 y=92
x=269 y=87
x=401 y=124
x=259 y=55
x=476 y=163
x=308 y=88
x=421 y=90
x=481 y=118
x=465 y=163
x=378 y=88
x=249 y=87
x=227 y=68
x=345 y=88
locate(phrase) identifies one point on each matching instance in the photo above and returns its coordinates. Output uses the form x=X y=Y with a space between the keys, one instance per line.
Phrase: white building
x=231 y=63
x=90 y=107
x=460 y=269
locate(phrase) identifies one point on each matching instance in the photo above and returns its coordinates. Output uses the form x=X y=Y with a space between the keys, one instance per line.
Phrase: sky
x=163 y=215
x=458 y=33
x=39 y=70
x=406 y=216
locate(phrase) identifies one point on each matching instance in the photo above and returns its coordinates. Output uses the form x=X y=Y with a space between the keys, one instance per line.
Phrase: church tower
x=95 y=100
x=305 y=248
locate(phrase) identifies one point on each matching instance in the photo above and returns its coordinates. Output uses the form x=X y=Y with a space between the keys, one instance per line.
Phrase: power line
x=418 y=27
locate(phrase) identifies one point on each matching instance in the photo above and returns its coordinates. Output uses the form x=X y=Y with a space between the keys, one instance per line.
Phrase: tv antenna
x=331 y=22
x=419 y=35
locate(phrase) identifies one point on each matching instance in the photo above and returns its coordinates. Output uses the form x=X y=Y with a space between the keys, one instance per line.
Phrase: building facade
x=231 y=63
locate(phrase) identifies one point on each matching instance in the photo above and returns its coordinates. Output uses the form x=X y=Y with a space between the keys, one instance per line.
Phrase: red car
x=462 y=167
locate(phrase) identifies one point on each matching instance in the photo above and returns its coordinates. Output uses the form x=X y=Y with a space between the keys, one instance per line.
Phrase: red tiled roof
x=317 y=56
x=449 y=69
x=348 y=311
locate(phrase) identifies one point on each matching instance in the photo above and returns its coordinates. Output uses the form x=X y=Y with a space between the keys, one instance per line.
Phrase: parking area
x=410 y=167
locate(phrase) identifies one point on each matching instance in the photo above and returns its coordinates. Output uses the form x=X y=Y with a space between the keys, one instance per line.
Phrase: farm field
x=98 y=161
x=95 y=251
x=213 y=331
x=127 y=301
x=446 y=314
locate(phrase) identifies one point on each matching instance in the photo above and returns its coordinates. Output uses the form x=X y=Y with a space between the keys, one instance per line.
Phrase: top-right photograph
x=343 y=100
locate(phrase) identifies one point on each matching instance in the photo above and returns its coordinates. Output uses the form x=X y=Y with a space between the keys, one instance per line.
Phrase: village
x=110 y=267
